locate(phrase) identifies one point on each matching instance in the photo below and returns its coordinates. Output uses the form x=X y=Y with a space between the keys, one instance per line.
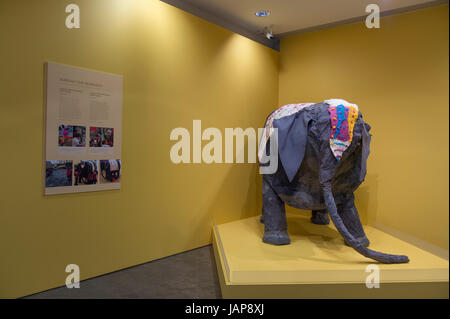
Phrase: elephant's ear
x=292 y=138
x=365 y=150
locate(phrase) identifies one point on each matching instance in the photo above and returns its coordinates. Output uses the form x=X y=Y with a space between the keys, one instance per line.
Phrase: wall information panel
x=83 y=130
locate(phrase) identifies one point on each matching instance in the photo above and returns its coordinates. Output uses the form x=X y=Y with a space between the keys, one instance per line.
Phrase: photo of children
x=79 y=136
x=110 y=171
x=101 y=137
x=71 y=136
x=65 y=135
x=58 y=173
x=85 y=172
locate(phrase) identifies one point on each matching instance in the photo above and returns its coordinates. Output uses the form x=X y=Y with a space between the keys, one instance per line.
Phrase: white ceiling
x=292 y=15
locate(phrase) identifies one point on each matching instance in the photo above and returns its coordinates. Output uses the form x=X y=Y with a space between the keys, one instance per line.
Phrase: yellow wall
x=176 y=68
x=399 y=77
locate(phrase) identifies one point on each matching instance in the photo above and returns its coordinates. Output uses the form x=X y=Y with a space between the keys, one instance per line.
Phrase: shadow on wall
x=229 y=198
x=251 y=183
x=253 y=205
x=366 y=199
x=250 y=204
x=230 y=204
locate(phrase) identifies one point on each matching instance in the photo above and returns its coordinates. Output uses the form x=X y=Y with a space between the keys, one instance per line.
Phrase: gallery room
x=224 y=149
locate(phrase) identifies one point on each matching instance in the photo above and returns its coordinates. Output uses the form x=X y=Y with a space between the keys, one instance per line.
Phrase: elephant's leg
x=350 y=217
x=274 y=217
x=320 y=217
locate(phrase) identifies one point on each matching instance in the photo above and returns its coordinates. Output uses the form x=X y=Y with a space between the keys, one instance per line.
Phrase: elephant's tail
x=337 y=220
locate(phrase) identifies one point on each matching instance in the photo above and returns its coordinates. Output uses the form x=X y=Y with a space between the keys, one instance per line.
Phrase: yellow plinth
x=317 y=264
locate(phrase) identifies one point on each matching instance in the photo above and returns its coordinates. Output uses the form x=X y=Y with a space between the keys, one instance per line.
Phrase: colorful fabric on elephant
x=279 y=113
x=343 y=118
x=336 y=102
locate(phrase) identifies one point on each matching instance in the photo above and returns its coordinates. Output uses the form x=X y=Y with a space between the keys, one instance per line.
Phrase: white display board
x=83 y=130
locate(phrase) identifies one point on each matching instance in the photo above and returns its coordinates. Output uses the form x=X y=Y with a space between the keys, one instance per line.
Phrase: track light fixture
x=268 y=32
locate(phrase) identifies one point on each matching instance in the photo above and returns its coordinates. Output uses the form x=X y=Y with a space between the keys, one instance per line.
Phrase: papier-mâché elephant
x=323 y=149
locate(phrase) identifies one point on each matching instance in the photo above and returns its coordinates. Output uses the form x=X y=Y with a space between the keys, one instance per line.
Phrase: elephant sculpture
x=323 y=149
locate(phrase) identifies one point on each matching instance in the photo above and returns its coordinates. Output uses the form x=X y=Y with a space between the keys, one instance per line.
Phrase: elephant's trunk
x=337 y=220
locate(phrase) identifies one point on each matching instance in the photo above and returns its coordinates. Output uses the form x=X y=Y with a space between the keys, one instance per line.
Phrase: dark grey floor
x=190 y=275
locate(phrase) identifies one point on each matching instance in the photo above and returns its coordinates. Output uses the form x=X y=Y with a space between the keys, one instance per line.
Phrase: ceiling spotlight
x=262 y=13
x=268 y=32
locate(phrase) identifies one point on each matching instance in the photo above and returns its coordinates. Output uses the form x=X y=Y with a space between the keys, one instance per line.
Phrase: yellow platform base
x=317 y=264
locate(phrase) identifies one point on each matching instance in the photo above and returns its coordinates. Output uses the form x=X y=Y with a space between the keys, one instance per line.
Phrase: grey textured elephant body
x=310 y=177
